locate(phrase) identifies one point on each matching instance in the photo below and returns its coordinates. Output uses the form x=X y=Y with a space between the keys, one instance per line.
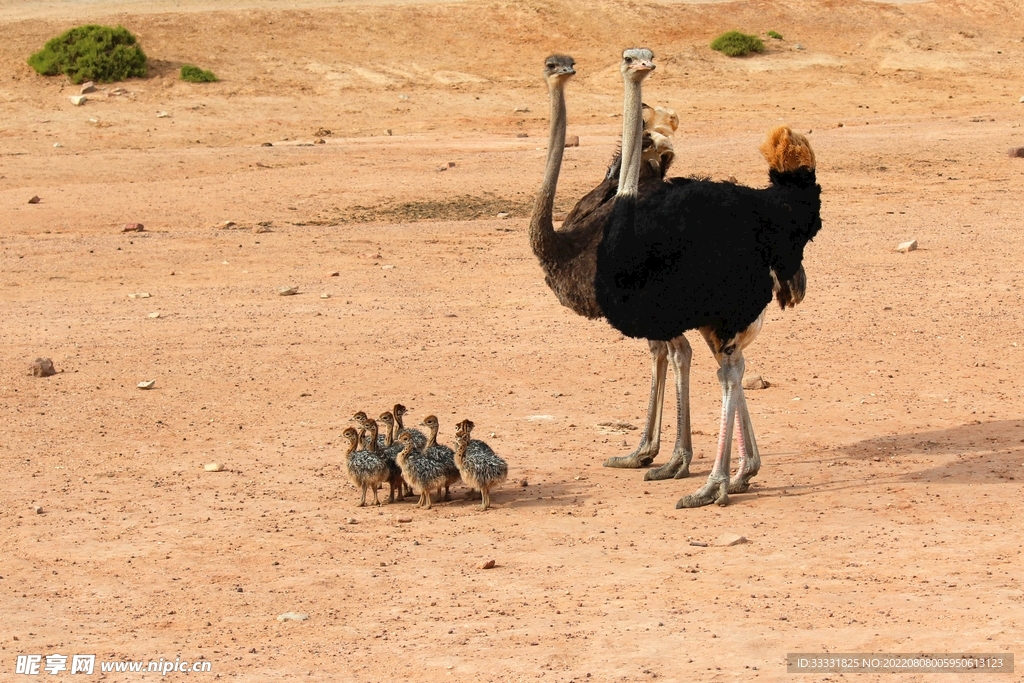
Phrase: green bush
x=193 y=74
x=775 y=34
x=91 y=53
x=736 y=44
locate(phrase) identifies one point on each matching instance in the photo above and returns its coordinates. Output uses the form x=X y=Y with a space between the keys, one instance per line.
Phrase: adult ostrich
x=694 y=254
x=569 y=259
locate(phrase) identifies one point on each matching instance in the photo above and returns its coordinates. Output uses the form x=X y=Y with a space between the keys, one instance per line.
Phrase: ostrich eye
x=629 y=60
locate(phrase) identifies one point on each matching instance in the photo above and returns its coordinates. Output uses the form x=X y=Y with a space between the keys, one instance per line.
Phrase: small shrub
x=193 y=74
x=775 y=34
x=736 y=44
x=91 y=53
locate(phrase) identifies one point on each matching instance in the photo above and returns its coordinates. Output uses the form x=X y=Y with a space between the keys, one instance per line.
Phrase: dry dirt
x=886 y=517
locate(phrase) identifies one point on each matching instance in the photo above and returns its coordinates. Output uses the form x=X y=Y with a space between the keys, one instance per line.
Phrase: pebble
x=57 y=144
x=522 y=110
x=214 y=467
x=292 y=616
x=78 y=100
x=266 y=144
x=38 y=509
x=133 y=227
x=1021 y=99
x=726 y=540
x=288 y=291
x=488 y=564
x=403 y=520
x=389 y=132
x=162 y=115
x=42 y=367
x=333 y=274
x=226 y=224
x=699 y=544
x=1017 y=152
x=147 y=384
x=440 y=169
x=387 y=267
x=524 y=483
x=754 y=382
x=503 y=215
x=35 y=200
x=87 y=87
x=260 y=228
x=154 y=314
x=798 y=46
x=904 y=247
x=139 y=295
x=572 y=141
x=352 y=520
x=325 y=295
x=522 y=135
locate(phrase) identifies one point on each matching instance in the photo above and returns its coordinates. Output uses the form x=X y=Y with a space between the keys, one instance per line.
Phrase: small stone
x=699 y=544
x=57 y=145
x=1017 y=152
x=261 y=228
x=904 y=247
x=292 y=616
x=1021 y=100
x=226 y=224
x=334 y=274
x=403 y=520
x=352 y=520
x=147 y=384
x=42 y=367
x=524 y=483
x=267 y=144
x=441 y=169
x=139 y=295
x=214 y=467
x=325 y=295
x=522 y=135
x=388 y=131
x=503 y=215
x=87 y=87
x=798 y=46
x=154 y=314
x=78 y=100
x=840 y=124
x=38 y=509
x=133 y=227
x=754 y=382
x=732 y=179
x=162 y=115
x=489 y=564
x=572 y=141
x=35 y=200
x=387 y=267
x=522 y=110
x=451 y=164
x=320 y=141
x=288 y=291
x=726 y=540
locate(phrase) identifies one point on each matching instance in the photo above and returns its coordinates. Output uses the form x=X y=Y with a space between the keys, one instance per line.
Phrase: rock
x=262 y=227
x=489 y=564
x=699 y=544
x=1021 y=100
x=798 y=46
x=214 y=467
x=524 y=483
x=322 y=132
x=334 y=274
x=904 y=247
x=352 y=520
x=139 y=295
x=288 y=291
x=388 y=131
x=325 y=295
x=441 y=169
x=522 y=110
x=732 y=179
x=147 y=384
x=502 y=215
x=162 y=115
x=116 y=92
x=292 y=616
x=87 y=87
x=388 y=267
x=226 y=224
x=78 y=100
x=403 y=520
x=572 y=141
x=1017 y=152
x=320 y=141
x=154 y=314
x=522 y=135
x=35 y=200
x=726 y=540
x=57 y=145
x=38 y=509
x=42 y=367
x=133 y=227
x=754 y=382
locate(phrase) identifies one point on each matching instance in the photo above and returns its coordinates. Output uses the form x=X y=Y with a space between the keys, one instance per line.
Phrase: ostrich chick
x=390 y=451
x=422 y=472
x=441 y=453
x=480 y=467
x=366 y=470
x=418 y=439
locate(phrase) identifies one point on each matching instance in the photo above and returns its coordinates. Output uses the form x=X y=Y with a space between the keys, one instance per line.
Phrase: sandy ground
x=886 y=516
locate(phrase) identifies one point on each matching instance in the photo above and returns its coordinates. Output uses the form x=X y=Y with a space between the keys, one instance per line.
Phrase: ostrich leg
x=730 y=375
x=678 y=467
x=750 y=458
x=650 y=442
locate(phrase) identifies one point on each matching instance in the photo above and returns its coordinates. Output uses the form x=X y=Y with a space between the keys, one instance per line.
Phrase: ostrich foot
x=641 y=457
x=741 y=484
x=712 y=492
x=676 y=468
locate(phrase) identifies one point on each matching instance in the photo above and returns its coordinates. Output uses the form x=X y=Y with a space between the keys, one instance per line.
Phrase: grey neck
x=541 y=227
x=632 y=138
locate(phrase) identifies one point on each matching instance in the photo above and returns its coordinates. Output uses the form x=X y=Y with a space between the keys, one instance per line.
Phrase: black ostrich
x=695 y=254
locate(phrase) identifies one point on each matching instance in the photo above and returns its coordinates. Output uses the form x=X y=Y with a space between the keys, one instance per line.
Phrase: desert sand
x=886 y=517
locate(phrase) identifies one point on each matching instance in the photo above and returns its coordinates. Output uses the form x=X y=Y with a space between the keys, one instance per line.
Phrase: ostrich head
x=430 y=421
x=387 y=418
x=558 y=69
x=464 y=428
x=351 y=436
x=637 y=63
x=360 y=418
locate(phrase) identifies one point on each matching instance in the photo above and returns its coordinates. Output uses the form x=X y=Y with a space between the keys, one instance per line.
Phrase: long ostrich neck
x=389 y=434
x=371 y=445
x=432 y=441
x=542 y=231
x=632 y=138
